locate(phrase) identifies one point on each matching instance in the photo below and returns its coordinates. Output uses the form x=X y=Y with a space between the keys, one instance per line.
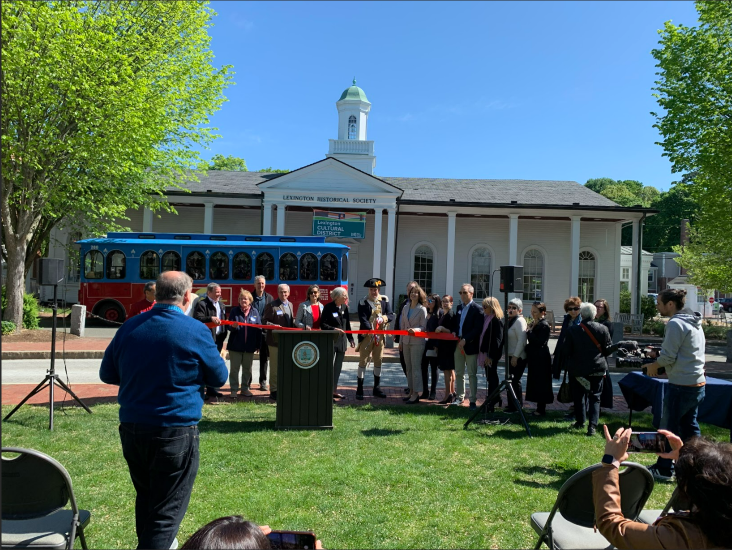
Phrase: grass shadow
x=236 y=426
x=380 y=432
x=560 y=476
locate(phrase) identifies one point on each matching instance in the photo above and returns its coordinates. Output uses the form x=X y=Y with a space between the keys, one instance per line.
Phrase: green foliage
x=655 y=327
x=30 y=312
x=648 y=307
x=694 y=91
x=273 y=170
x=662 y=231
x=231 y=163
x=625 y=301
x=109 y=102
x=8 y=327
x=4 y=298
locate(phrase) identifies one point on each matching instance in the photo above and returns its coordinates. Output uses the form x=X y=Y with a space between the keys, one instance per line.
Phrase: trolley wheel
x=112 y=312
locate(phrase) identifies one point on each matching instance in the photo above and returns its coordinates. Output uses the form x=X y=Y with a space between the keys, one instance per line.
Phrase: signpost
x=339 y=224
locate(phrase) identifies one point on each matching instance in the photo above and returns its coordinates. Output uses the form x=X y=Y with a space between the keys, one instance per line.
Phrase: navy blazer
x=472 y=327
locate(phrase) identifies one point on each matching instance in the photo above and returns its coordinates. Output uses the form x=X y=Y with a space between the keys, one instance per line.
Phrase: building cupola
x=352 y=147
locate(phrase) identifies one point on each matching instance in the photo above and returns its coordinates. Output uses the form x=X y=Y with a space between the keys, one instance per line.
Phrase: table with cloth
x=640 y=391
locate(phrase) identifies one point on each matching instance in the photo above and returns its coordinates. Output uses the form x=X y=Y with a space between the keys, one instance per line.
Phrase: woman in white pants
x=413 y=318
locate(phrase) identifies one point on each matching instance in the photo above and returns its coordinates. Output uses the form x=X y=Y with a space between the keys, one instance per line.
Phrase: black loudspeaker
x=512 y=278
x=50 y=271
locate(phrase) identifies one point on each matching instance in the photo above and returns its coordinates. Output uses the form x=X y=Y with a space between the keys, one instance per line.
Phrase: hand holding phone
x=647 y=442
x=292 y=539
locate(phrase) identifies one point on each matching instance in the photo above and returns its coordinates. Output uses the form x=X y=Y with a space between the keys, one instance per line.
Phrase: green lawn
x=391 y=477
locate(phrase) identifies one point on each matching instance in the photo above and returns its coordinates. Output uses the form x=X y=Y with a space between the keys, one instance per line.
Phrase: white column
x=450 y=271
x=615 y=306
x=208 y=217
x=512 y=239
x=634 y=269
x=390 y=245
x=281 y=206
x=266 y=218
x=147 y=220
x=574 y=246
x=378 y=214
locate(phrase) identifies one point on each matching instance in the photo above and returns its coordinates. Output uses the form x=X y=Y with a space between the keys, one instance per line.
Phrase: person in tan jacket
x=703 y=475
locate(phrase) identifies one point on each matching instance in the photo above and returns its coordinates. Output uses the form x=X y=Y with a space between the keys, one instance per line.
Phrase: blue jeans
x=680 y=409
x=163 y=464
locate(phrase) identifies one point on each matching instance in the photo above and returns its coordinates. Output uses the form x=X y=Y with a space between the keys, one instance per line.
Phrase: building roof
x=354 y=92
x=431 y=190
x=629 y=250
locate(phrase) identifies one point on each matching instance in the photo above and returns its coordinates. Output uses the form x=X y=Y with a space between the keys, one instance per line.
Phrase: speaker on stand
x=50 y=273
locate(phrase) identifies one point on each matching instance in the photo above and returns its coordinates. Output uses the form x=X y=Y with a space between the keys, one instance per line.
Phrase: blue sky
x=494 y=90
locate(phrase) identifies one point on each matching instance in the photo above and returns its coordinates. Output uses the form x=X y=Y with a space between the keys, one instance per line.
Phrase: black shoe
x=424 y=395
x=433 y=395
x=591 y=431
x=273 y=395
x=359 y=390
x=409 y=402
x=377 y=390
x=578 y=425
x=448 y=399
x=407 y=391
x=213 y=393
x=407 y=398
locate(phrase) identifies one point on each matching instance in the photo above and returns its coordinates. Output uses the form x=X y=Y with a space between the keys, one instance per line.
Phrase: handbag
x=564 y=395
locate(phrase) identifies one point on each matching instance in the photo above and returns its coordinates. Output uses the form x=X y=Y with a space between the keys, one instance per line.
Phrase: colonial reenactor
x=374 y=313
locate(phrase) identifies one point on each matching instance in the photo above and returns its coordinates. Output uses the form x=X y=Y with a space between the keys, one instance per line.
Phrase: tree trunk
x=15 y=282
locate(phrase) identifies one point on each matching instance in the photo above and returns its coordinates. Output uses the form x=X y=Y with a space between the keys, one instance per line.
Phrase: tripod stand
x=51 y=379
x=505 y=384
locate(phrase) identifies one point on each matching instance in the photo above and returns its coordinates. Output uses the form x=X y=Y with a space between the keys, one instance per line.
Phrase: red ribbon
x=428 y=335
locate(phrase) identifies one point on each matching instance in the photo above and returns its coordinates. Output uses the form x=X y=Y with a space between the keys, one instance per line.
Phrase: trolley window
x=94 y=265
x=288 y=267
x=308 y=267
x=196 y=265
x=218 y=266
x=171 y=261
x=344 y=267
x=265 y=265
x=149 y=265
x=328 y=267
x=116 y=265
x=242 y=267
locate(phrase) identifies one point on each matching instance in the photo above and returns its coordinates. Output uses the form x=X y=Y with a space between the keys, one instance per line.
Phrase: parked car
x=726 y=304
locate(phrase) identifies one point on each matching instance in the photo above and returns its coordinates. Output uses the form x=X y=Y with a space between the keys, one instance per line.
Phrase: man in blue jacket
x=162 y=360
x=468 y=326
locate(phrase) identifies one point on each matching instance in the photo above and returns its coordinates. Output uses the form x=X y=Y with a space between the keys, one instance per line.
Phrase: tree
x=103 y=105
x=695 y=91
x=233 y=164
x=662 y=231
x=273 y=170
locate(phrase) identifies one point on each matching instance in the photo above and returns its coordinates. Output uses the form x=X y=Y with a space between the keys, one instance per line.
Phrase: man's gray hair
x=517 y=302
x=588 y=311
x=283 y=286
x=337 y=292
x=172 y=286
x=210 y=287
x=260 y=277
x=470 y=287
x=150 y=285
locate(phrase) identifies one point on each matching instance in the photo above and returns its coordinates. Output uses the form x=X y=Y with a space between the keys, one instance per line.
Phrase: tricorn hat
x=374 y=283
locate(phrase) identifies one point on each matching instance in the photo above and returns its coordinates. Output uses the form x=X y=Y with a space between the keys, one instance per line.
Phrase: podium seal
x=305 y=355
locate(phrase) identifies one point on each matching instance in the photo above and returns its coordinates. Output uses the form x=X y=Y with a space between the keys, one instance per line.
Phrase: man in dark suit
x=467 y=326
x=278 y=313
x=211 y=310
x=374 y=346
x=261 y=300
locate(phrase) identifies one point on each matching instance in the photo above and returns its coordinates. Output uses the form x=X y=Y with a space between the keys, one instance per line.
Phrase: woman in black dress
x=446 y=349
x=539 y=359
x=429 y=357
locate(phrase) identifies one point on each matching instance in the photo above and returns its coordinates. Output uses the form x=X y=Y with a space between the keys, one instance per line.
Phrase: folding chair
x=571 y=522
x=35 y=490
x=650 y=516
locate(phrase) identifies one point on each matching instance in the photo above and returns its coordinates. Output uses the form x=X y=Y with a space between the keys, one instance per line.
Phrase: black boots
x=359 y=390
x=377 y=389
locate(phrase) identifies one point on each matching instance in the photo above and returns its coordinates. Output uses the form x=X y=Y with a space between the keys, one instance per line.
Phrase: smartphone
x=292 y=539
x=647 y=442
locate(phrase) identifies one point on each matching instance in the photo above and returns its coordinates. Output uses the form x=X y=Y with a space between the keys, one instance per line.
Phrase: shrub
x=625 y=301
x=657 y=327
x=648 y=307
x=30 y=310
x=714 y=332
x=8 y=327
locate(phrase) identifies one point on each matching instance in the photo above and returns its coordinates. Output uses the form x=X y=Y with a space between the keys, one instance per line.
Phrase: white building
x=626 y=266
x=441 y=232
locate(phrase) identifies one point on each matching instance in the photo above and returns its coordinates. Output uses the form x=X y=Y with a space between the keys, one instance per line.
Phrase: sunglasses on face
x=573 y=309
x=512 y=307
x=314 y=292
x=463 y=292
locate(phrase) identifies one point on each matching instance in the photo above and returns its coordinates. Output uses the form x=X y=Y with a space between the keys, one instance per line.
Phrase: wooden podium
x=305 y=379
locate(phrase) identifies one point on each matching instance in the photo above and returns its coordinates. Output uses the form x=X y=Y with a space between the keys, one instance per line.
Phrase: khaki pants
x=239 y=359
x=461 y=362
x=377 y=353
x=272 y=368
x=413 y=359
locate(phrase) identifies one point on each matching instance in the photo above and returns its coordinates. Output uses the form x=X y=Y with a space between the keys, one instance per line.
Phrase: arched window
x=218 y=266
x=94 y=265
x=116 y=265
x=344 y=268
x=242 y=266
x=480 y=272
x=288 y=267
x=351 y=127
x=423 y=262
x=149 y=265
x=587 y=276
x=171 y=261
x=264 y=265
x=328 y=267
x=533 y=275
x=196 y=265
x=308 y=267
